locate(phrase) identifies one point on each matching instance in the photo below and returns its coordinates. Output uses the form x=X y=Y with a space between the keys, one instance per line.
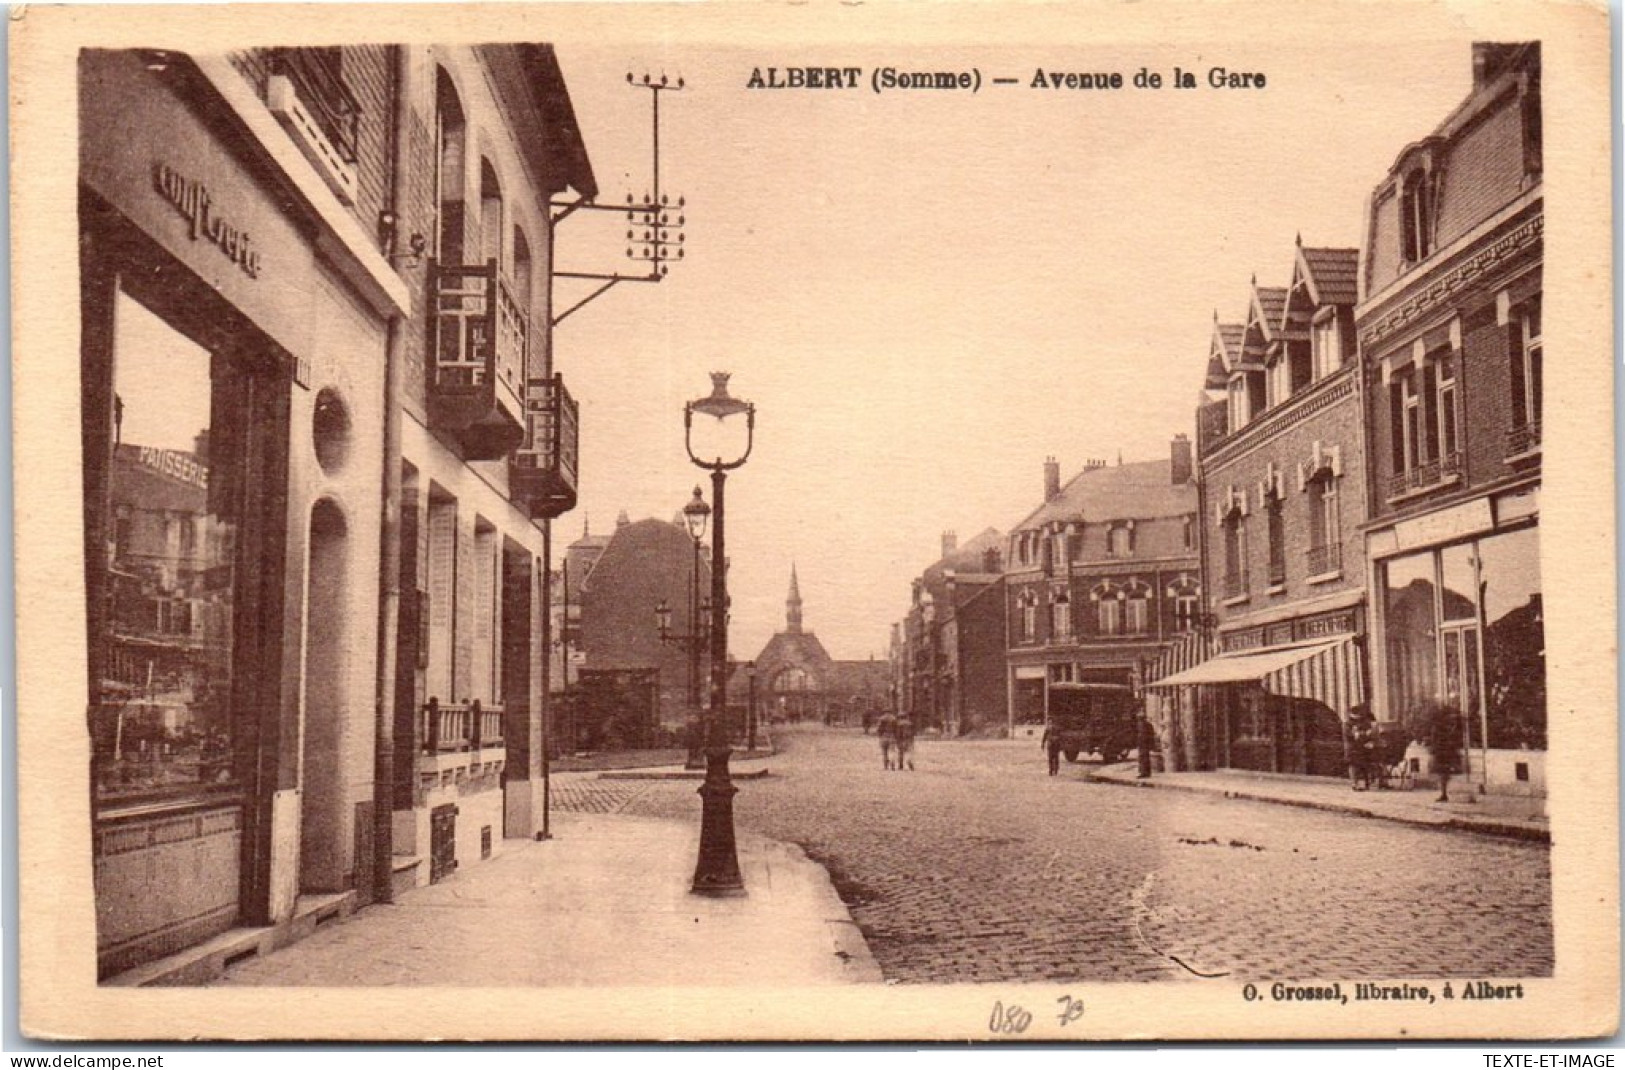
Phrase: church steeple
x=792 y=605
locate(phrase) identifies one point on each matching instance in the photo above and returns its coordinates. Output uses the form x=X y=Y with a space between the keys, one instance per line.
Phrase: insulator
x=629 y=196
x=679 y=83
x=629 y=236
x=629 y=79
x=662 y=235
x=662 y=269
x=629 y=252
x=680 y=202
x=679 y=237
x=663 y=198
x=679 y=254
x=647 y=236
x=662 y=218
x=662 y=79
x=645 y=79
x=679 y=220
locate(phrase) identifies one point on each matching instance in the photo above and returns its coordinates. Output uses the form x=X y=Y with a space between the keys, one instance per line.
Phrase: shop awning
x=1327 y=671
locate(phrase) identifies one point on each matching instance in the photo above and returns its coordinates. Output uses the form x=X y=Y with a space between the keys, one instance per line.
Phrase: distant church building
x=797 y=680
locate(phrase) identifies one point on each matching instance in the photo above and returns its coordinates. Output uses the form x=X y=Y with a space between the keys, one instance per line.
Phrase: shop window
x=1411 y=634
x=1514 y=639
x=163 y=643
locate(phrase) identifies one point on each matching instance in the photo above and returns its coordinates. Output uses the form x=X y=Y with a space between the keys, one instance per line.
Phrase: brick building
x=274 y=241
x=1281 y=464
x=1100 y=578
x=1450 y=334
x=643 y=565
x=953 y=639
x=797 y=680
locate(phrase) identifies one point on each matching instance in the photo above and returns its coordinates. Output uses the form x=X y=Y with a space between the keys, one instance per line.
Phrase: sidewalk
x=1502 y=815
x=605 y=903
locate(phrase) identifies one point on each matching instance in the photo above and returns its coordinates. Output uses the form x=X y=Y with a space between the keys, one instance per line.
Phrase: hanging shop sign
x=192 y=200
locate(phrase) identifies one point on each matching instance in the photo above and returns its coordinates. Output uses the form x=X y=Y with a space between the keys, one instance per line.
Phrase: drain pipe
x=389 y=529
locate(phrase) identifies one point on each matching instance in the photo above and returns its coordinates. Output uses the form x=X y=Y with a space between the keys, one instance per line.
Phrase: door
x=1460 y=683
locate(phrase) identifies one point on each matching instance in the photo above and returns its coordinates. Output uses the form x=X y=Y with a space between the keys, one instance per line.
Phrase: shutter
x=1520 y=407
x=1396 y=425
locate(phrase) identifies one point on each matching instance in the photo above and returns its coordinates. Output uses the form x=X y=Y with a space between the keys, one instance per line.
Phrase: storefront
x=228 y=523
x=1276 y=698
x=1460 y=623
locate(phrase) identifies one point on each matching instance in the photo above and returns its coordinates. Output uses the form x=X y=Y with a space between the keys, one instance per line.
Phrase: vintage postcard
x=964 y=521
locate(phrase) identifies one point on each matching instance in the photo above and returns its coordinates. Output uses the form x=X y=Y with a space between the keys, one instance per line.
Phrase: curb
x=1450 y=824
x=677 y=774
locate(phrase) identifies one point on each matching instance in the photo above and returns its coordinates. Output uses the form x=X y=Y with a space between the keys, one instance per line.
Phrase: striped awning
x=1327 y=671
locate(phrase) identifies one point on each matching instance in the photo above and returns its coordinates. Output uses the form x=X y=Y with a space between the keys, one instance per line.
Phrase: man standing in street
x=1052 y=747
x=905 y=743
x=886 y=729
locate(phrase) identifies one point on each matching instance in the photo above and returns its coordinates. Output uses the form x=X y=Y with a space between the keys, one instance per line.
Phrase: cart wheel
x=1071 y=755
x=1109 y=756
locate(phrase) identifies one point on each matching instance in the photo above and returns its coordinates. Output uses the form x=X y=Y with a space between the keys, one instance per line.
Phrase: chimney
x=1490 y=60
x=950 y=542
x=1052 y=479
x=1179 y=461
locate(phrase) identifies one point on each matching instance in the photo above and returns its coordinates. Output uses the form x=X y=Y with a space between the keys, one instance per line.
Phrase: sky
x=927 y=293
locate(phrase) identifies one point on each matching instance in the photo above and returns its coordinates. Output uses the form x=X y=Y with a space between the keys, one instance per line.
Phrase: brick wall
x=981 y=645
x=1337 y=424
x=1483 y=173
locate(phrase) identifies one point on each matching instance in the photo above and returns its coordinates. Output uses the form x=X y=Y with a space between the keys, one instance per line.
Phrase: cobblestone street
x=978 y=867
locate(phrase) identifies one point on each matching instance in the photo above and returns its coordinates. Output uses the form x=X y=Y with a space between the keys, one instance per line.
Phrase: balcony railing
x=316 y=74
x=459 y=727
x=1423 y=476
x=1325 y=559
x=1234 y=584
x=479 y=342
x=543 y=472
x=1525 y=439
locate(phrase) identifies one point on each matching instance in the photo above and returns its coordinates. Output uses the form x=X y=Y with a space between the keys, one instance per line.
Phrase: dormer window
x=1280 y=380
x=1120 y=540
x=1416 y=216
x=1327 y=346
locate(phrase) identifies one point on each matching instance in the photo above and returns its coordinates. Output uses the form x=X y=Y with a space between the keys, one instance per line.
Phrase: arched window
x=1027 y=603
x=1137 y=608
x=1108 y=600
x=522 y=271
x=1060 y=614
x=490 y=213
x=451 y=154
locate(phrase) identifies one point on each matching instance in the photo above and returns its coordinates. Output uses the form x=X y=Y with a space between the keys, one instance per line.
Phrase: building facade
x=795 y=679
x=1450 y=334
x=633 y=685
x=1100 y=578
x=952 y=639
x=1282 y=468
x=272 y=243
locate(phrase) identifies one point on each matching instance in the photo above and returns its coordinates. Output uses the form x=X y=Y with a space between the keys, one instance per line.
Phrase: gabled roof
x=1223 y=352
x=1332 y=275
x=1264 y=307
x=1142 y=490
x=969 y=557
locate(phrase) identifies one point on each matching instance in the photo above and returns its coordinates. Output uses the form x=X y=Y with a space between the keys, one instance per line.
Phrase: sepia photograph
x=820 y=522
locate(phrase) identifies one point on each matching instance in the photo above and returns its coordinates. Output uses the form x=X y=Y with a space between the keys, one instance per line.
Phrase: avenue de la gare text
x=888 y=78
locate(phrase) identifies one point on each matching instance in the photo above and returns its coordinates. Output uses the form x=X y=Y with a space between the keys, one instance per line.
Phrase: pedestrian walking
x=886 y=729
x=1362 y=746
x=905 y=743
x=1051 y=745
x=1144 y=745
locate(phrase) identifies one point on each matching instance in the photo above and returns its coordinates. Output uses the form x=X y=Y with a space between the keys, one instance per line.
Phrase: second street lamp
x=716 y=872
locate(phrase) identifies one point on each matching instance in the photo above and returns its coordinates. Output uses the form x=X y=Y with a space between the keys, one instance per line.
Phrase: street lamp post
x=716 y=872
x=750 y=709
